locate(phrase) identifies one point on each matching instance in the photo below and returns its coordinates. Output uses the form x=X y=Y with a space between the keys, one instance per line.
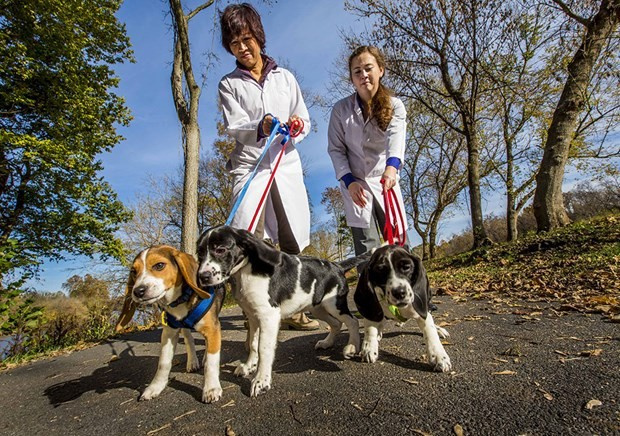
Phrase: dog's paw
x=212 y=395
x=323 y=344
x=151 y=392
x=244 y=369
x=442 y=332
x=260 y=385
x=193 y=365
x=440 y=362
x=349 y=351
x=370 y=352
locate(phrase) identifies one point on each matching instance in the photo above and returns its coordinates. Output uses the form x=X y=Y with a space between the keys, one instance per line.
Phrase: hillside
x=573 y=268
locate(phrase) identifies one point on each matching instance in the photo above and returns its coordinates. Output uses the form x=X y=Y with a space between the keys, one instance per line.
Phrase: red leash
x=296 y=127
x=391 y=232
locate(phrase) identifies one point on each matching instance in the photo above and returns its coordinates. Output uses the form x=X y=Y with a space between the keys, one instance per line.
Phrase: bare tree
x=435 y=50
x=520 y=103
x=434 y=173
x=186 y=95
x=332 y=199
x=597 y=28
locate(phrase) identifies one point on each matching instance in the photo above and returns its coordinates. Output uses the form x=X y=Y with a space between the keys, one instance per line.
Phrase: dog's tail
x=352 y=262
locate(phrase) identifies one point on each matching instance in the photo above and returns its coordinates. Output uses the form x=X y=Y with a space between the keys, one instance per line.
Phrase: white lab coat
x=362 y=148
x=245 y=103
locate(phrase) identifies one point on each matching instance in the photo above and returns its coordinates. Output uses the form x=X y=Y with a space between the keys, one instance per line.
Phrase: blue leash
x=276 y=128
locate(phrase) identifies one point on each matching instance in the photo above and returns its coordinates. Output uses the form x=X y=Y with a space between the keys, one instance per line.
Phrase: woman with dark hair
x=251 y=95
x=366 y=138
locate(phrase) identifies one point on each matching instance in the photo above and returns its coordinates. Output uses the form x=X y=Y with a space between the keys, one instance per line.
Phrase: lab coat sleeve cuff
x=347 y=179
x=393 y=162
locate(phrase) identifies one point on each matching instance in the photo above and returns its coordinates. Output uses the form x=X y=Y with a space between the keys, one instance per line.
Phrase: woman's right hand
x=357 y=194
x=267 y=122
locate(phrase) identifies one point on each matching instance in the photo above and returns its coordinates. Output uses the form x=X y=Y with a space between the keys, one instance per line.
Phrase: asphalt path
x=517 y=370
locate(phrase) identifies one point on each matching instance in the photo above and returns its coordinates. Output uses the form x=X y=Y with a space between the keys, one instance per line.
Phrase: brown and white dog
x=393 y=285
x=165 y=276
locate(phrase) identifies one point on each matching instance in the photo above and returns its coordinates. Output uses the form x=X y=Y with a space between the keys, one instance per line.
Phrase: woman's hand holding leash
x=388 y=179
x=295 y=125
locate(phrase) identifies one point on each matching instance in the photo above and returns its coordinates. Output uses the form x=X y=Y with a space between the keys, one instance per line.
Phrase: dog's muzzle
x=144 y=294
x=399 y=295
x=209 y=276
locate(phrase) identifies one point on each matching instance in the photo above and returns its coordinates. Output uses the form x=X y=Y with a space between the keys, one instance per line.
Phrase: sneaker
x=299 y=321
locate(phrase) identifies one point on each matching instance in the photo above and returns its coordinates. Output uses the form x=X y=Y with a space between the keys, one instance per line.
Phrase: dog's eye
x=159 y=266
x=406 y=267
x=219 y=251
x=381 y=269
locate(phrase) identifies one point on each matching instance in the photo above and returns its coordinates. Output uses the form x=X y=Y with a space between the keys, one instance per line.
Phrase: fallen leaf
x=229 y=431
x=589 y=353
x=592 y=404
x=561 y=353
x=500 y=360
x=546 y=394
x=458 y=430
x=411 y=381
x=230 y=403
x=357 y=406
x=505 y=372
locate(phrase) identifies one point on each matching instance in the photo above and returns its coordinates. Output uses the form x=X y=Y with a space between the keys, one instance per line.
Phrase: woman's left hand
x=388 y=179
x=300 y=125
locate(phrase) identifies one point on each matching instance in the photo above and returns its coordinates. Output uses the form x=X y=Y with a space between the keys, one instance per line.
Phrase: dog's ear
x=420 y=287
x=189 y=270
x=366 y=299
x=263 y=257
x=129 y=306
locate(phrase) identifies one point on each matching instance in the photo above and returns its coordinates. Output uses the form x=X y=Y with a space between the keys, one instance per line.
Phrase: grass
x=576 y=267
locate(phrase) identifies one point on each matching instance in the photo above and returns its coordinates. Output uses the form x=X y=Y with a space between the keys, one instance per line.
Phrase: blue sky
x=303 y=34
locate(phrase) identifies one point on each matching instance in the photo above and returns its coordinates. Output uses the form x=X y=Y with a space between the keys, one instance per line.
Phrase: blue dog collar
x=194 y=315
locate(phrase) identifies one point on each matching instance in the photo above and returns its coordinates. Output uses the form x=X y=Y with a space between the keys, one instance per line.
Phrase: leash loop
x=391 y=232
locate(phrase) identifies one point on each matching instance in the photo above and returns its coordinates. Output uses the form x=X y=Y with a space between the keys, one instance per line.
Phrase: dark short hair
x=236 y=19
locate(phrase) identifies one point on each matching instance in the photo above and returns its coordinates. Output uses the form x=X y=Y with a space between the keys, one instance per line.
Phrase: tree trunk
x=511 y=213
x=473 y=180
x=183 y=83
x=548 y=200
x=189 y=229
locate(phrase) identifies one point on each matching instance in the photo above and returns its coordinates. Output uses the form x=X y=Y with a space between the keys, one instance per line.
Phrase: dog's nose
x=139 y=291
x=205 y=276
x=399 y=292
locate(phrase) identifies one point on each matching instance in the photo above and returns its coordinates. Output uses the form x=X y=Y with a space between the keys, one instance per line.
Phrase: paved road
x=517 y=371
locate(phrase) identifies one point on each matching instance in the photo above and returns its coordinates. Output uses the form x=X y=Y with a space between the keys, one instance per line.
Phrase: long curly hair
x=380 y=106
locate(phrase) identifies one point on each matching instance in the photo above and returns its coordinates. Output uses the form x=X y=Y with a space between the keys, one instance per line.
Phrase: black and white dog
x=270 y=285
x=393 y=285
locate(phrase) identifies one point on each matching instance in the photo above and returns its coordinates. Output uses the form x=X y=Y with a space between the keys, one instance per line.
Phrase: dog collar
x=186 y=294
x=194 y=315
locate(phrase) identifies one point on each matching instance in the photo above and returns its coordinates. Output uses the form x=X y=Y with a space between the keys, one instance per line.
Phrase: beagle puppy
x=393 y=286
x=165 y=276
x=270 y=285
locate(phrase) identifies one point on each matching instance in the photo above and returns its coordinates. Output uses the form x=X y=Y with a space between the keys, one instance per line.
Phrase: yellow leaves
x=505 y=372
x=592 y=404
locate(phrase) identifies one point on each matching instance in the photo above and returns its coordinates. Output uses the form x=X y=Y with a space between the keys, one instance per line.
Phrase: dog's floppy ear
x=129 y=306
x=420 y=287
x=263 y=257
x=189 y=270
x=366 y=299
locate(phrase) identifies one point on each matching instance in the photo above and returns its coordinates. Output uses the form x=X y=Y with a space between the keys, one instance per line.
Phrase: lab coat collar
x=269 y=65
